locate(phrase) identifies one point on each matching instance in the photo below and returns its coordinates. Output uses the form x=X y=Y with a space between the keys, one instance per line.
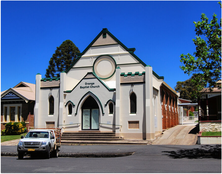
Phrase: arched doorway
x=90 y=114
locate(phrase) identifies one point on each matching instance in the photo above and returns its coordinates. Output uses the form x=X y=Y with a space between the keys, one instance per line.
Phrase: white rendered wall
x=106 y=49
x=77 y=97
x=74 y=76
x=123 y=59
x=44 y=105
x=125 y=91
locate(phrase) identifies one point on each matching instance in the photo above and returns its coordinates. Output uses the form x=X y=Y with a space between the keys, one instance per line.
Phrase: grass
x=211 y=133
x=11 y=137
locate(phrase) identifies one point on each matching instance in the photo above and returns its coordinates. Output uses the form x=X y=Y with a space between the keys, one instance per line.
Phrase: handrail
x=69 y=124
x=64 y=126
x=110 y=124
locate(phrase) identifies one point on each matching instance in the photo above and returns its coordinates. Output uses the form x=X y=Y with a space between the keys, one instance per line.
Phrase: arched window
x=51 y=105
x=70 y=109
x=110 y=108
x=133 y=103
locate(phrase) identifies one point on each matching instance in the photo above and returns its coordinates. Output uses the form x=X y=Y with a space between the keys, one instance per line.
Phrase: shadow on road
x=195 y=130
x=205 y=151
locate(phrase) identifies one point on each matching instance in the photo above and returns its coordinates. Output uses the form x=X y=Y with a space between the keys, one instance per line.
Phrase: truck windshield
x=37 y=135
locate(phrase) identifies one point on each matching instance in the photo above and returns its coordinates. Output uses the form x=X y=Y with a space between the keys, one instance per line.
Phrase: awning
x=188 y=104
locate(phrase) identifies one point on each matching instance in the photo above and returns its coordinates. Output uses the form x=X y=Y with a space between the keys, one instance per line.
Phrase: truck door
x=52 y=134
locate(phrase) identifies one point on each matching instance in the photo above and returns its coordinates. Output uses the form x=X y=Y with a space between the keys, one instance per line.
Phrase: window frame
x=19 y=113
x=111 y=103
x=51 y=105
x=133 y=103
x=5 y=113
x=70 y=105
x=10 y=117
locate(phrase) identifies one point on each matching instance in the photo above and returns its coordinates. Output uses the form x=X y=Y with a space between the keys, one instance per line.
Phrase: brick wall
x=169 y=108
x=30 y=121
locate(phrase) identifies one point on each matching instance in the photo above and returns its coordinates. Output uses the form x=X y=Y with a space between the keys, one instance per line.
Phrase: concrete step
x=93 y=139
x=74 y=142
x=88 y=133
x=93 y=136
x=89 y=136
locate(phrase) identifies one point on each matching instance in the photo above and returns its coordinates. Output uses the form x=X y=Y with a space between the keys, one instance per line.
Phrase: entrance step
x=79 y=142
x=86 y=137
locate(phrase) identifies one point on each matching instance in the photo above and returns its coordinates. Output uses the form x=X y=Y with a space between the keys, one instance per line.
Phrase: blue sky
x=160 y=31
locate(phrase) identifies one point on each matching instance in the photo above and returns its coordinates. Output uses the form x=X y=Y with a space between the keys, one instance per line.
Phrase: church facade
x=107 y=89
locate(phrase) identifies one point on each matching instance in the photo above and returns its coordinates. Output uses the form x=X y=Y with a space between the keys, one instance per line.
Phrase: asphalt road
x=146 y=159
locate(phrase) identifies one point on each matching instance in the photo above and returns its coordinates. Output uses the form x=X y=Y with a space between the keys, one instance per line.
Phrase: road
x=146 y=159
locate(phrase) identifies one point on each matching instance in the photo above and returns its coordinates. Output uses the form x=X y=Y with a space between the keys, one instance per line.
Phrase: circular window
x=104 y=67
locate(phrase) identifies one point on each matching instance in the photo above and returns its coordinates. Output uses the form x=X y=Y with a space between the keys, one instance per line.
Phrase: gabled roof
x=182 y=100
x=23 y=90
x=171 y=89
x=213 y=90
x=187 y=104
x=104 y=32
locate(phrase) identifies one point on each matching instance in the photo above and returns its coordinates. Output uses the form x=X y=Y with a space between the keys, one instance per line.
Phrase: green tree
x=206 y=62
x=188 y=89
x=61 y=60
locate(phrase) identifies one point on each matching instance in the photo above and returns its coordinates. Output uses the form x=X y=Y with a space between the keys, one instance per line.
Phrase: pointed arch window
x=133 y=101
x=51 y=105
x=70 y=109
x=110 y=108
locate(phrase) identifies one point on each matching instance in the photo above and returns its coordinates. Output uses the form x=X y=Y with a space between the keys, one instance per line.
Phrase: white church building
x=107 y=89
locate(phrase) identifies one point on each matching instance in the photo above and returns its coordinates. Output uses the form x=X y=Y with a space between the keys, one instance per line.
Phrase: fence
x=189 y=119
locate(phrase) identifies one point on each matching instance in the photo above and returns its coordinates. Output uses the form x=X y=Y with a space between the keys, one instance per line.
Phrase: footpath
x=178 y=135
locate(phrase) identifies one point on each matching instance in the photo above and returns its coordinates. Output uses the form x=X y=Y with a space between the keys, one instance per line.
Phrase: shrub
x=25 y=129
x=23 y=123
x=191 y=113
x=14 y=128
x=3 y=132
x=8 y=128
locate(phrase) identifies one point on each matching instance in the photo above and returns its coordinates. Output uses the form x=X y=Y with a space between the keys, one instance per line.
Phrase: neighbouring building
x=210 y=109
x=107 y=89
x=17 y=104
x=184 y=108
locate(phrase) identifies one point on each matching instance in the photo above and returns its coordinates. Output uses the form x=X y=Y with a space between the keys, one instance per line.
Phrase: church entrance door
x=90 y=114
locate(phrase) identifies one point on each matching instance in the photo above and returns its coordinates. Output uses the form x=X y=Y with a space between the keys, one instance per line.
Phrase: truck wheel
x=20 y=155
x=55 y=153
x=48 y=153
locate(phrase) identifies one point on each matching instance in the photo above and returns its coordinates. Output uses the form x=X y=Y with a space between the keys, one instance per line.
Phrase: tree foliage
x=62 y=59
x=205 y=63
x=187 y=89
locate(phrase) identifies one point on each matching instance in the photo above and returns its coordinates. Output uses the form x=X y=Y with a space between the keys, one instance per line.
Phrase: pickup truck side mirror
x=22 y=137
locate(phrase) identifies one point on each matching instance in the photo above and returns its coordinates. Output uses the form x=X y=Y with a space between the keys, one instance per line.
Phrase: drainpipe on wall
x=37 y=99
x=117 y=106
x=61 y=97
x=150 y=129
